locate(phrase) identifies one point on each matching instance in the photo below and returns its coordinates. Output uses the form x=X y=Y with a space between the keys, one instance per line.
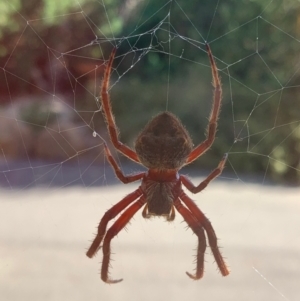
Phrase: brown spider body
x=163 y=146
x=160 y=189
x=164 y=143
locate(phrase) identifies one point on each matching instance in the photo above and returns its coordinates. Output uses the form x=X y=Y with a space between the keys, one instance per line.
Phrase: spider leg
x=109 y=215
x=212 y=238
x=112 y=128
x=215 y=173
x=124 y=179
x=212 y=125
x=197 y=228
x=113 y=231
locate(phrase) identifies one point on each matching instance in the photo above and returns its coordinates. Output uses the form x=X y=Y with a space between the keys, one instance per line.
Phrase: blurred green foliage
x=272 y=120
x=260 y=118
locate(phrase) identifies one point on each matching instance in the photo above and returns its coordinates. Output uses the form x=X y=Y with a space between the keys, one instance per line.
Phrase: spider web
x=52 y=139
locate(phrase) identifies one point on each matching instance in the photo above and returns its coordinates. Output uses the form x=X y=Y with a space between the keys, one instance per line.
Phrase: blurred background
x=55 y=180
x=53 y=54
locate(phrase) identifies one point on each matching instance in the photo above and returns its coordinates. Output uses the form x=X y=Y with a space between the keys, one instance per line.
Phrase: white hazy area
x=44 y=234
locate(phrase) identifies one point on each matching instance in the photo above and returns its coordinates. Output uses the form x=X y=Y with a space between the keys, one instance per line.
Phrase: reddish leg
x=212 y=238
x=112 y=128
x=214 y=115
x=109 y=215
x=194 y=224
x=215 y=173
x=113 y=231
x=124 y=179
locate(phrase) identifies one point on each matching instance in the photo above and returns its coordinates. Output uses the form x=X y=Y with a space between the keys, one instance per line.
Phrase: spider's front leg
x=113 y=231
x=109 y=215
x=206 y=224
x=198 y=230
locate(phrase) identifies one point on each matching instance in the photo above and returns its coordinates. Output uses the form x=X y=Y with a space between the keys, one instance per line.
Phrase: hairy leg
x=111 y=125
x=113 y=231
x=194 y=224
x=215 y=173
x=214 y=115
x=109 y=215
x=212 y=238
x=124 y=179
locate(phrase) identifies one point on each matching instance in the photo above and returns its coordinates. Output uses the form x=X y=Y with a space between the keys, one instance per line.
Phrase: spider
x=164 y=146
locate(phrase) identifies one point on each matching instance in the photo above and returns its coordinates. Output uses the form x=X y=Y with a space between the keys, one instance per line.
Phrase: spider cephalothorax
x=164 y=143
x=163 y=146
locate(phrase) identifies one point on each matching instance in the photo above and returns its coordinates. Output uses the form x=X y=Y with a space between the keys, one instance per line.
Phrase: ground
x=44 y=234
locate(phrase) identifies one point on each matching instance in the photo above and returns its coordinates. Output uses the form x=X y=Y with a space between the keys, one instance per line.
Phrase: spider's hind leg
x=214 y=115
x=108 y=114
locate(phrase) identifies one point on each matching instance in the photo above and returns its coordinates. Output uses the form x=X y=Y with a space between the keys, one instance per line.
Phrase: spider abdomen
x=164 y=143
x=159 y=196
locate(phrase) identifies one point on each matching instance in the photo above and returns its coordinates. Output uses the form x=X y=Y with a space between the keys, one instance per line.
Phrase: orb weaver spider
x=164 y=146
